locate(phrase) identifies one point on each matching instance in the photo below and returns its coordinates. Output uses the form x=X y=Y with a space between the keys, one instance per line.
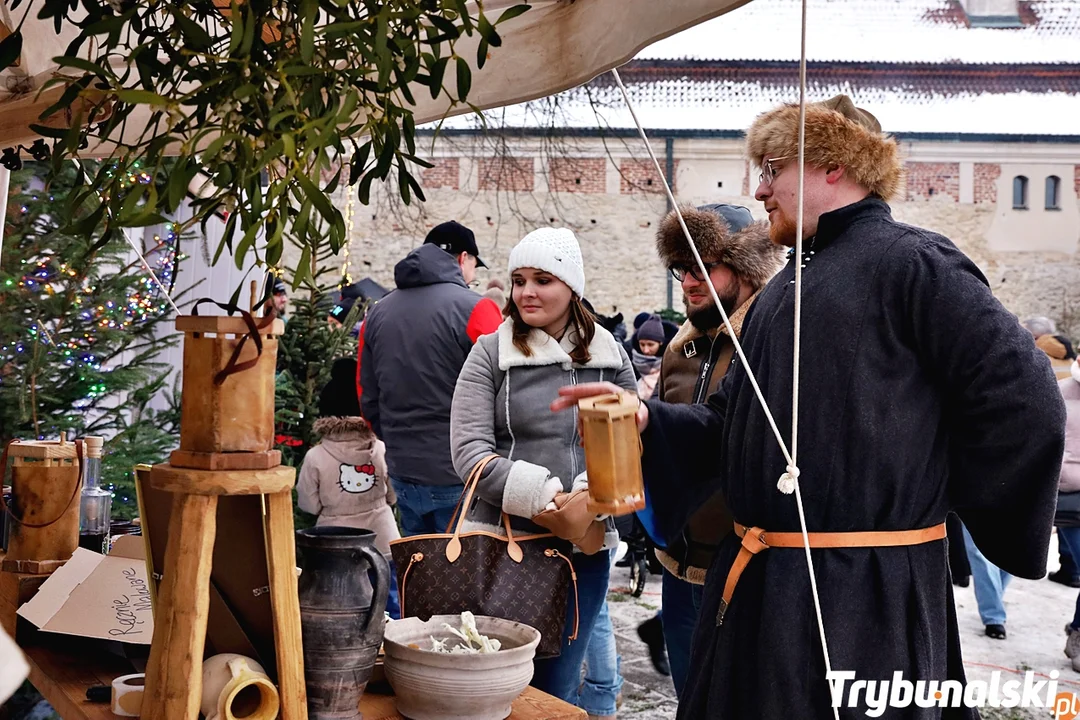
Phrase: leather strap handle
x=232 y=366
x=453 y=548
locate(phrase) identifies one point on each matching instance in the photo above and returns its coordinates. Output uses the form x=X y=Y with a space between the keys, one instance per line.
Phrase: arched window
x=1020 y=193
x=1053 y=193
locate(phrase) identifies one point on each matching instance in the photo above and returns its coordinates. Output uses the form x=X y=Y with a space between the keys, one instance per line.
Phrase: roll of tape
x=127 y=694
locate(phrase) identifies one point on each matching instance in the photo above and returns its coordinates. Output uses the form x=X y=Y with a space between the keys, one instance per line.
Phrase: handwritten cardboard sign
x=97 y=596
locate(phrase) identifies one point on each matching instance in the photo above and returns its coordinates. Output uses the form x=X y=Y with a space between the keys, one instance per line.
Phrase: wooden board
x=225 y=461
x=62 y=675
x=62 y=672
x=222 y=482
x=233 y=325
x=285 y=602
x=41 y=449
x=530 y=705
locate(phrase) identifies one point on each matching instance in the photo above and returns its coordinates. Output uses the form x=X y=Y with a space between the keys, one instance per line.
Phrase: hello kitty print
x=357 y=479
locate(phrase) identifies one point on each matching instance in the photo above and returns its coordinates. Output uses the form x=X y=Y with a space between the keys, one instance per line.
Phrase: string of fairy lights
x=144 y=299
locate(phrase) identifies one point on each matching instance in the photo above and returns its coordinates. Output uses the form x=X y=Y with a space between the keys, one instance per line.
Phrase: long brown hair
x=580 y=319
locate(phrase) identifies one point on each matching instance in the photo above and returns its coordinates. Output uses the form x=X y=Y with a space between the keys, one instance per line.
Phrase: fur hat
x=722 y=233
x=837 y=133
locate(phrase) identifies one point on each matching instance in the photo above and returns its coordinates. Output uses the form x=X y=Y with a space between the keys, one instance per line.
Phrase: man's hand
x=570 y=394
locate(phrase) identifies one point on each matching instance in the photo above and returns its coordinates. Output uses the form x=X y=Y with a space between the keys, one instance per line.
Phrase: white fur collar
x=604 y=350
x=1074 y=370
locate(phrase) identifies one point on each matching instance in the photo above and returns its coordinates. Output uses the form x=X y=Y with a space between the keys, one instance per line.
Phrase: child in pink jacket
x=343 y=479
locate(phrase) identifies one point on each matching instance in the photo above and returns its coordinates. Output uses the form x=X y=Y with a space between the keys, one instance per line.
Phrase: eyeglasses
x=768 y=172
x=680 y=271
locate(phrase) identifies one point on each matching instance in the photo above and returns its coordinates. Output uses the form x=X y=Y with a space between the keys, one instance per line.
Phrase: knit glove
x=571 y=520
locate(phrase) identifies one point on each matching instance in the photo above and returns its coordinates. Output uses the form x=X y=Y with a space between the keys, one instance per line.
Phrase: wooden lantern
x=223 y=411
x=45 y=483
x=612 y=453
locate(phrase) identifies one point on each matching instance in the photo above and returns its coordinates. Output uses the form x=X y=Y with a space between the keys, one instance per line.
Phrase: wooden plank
x=530 y=705
x=222 y=482
x=285 y=600
x=223 y=324
x=174 y=672
x=225 y=461
x=40 y=449
x=63 y=677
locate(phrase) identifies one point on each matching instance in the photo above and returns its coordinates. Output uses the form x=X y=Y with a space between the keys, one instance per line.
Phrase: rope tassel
x=786 y=483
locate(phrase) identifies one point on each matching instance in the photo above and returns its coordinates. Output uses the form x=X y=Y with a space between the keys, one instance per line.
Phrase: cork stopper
x=93 y=445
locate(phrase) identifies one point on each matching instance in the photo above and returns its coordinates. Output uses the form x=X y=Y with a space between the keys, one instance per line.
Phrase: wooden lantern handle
x=74 y=492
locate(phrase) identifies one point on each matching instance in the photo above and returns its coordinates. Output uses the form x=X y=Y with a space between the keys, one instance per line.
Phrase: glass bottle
x=96 y=504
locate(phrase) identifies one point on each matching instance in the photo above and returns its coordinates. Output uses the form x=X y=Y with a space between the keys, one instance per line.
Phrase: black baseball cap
x=455 y=238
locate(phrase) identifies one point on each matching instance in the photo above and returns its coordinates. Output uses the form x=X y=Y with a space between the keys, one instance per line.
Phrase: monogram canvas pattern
x=486 y=581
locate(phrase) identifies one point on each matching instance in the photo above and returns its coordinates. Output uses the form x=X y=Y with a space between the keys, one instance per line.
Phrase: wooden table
x=62 y=676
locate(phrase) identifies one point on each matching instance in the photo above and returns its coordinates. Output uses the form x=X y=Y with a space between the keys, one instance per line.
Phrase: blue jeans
x=602 y=662
x=1069 y=542
x=561 y=676
x=990 y=583
x=393 y=605
x=425 y=509
x=681 y=603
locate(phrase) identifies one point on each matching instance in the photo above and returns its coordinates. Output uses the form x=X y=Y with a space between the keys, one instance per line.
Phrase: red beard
x=782 y=230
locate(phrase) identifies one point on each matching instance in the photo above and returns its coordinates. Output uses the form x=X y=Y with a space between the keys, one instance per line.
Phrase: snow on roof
x=879 y=31
x=734 y=105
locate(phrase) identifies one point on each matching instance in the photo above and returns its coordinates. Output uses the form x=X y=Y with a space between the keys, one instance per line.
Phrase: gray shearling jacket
x=501 y=406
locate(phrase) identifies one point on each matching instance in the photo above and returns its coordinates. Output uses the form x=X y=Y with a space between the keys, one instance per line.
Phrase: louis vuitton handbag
x=525 y=578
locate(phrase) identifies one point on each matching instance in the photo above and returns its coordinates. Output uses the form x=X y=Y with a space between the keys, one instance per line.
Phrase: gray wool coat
x=501 y=406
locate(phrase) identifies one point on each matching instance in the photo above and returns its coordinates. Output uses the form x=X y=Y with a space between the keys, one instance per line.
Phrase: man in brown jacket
x=741 y=259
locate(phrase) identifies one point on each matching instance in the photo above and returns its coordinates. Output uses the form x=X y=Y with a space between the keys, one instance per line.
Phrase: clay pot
x=235 y=686
x=440 y=686
x=341 y=616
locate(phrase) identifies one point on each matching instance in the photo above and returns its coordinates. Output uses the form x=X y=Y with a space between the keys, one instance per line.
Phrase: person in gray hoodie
x=412 y=345
x=501 y=407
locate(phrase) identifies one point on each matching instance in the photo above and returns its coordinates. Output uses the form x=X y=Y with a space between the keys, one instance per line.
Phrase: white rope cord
x=705 y=273
x=793 y=469
x=161 y=286
x=789 y=481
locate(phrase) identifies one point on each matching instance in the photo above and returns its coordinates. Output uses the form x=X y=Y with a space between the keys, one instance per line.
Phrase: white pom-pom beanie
x=553 y=250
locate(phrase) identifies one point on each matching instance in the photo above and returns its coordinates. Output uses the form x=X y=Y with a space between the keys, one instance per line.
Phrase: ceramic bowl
x=444 y=686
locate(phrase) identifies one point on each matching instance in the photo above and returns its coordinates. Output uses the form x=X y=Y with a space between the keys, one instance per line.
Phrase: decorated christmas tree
x=80 y=330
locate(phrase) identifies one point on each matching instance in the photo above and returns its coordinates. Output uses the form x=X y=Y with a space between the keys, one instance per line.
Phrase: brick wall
x=584 y=175
x=746 y=181
x=927 y=180
x=507 y=173
x=443 y=175
x=986 y=177
x=639 y=176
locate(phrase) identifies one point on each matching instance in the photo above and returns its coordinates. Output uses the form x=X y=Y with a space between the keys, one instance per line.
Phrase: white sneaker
x=620 y=553
x=1072 y=645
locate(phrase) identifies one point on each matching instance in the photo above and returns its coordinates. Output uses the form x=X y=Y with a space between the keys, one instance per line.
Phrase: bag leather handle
x=453 y=548
x=232 y=366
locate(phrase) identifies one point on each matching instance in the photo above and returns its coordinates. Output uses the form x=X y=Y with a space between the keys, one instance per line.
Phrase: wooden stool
x=174 y=671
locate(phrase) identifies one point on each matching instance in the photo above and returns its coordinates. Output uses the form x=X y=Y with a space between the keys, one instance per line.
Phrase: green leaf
x=481 y=53
x=11 y=49
x=194 y=35
x=512 y=12
x=438 y=70
x=303 y=269
x=464 y=78
x=274 y=245
x=79 y=63
x=316 y=196
x=249 y=34
x=449 y=29
x=236 y=36
x=141 y=97
x=307 y=29
x=244 y=91
x=226 y=237
x=245 y=244
x=364 y=191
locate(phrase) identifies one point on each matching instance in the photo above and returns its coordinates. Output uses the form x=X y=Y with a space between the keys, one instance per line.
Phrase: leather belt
x=756 y=540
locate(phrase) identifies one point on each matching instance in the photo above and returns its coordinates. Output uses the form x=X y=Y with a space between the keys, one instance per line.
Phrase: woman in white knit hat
x=501 y=406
